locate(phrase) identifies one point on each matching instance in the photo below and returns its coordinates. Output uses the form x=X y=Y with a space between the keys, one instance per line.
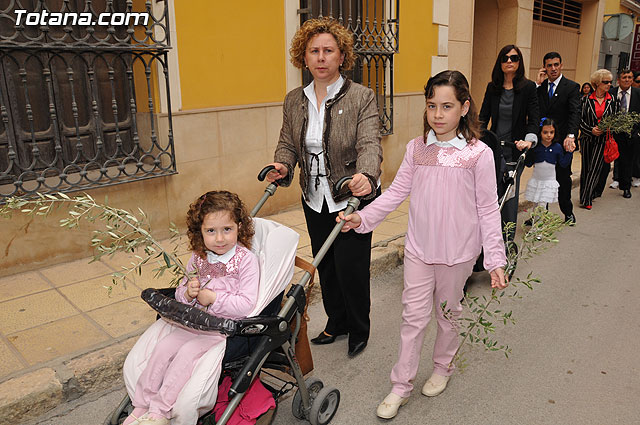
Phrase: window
x=79 y=104
x=566 y=13
x=375 y=25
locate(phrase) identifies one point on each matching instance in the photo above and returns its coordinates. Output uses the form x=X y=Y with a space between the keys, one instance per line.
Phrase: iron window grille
x=375 y=27
x=79 y=104
x=566 y=13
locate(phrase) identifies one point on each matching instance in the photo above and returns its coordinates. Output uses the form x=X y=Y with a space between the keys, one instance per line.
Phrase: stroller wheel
x=324 y=406
x=120 y=413
x=314 y=385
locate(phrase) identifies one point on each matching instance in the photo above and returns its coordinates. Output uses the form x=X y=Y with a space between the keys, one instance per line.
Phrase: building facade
x=210 y=101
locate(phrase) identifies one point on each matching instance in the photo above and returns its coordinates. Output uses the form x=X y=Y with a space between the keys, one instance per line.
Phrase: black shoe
x=356 y=348
x=323 y=338
x=570 y=219
x=626 y=193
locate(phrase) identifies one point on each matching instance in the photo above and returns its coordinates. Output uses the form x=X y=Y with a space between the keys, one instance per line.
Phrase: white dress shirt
x=315 y=155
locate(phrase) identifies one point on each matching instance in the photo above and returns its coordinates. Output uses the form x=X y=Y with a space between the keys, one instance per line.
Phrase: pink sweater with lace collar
x=453 y=208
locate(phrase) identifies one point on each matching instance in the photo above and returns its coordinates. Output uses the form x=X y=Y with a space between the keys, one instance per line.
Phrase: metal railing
x=79 y=104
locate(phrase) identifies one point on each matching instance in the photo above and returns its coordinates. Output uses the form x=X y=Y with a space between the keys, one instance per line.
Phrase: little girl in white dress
x=542 y=187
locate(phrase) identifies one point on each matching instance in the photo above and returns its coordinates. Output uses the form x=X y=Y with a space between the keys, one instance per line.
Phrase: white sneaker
x=435 y=385
x=614 y=184
x=635 y=181
x=390 y=405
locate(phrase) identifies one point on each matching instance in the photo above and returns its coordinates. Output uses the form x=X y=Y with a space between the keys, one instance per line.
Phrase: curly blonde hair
x=324 y=25
x=212 y=202
x=599 y=75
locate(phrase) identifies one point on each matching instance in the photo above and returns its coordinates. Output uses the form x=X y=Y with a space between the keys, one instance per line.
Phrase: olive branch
x=481 y=314
x=123 y=232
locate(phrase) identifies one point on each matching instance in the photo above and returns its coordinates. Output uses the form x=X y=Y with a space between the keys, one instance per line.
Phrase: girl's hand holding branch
x=497 y=279
x=351 y=221
x=193 y=288
x=206 y=297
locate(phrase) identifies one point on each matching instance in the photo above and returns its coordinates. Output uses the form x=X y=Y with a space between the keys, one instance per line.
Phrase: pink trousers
x=426 y=287
x=170 y=367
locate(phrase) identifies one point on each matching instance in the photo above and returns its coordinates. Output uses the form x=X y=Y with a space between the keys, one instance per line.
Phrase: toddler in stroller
x=276 y=335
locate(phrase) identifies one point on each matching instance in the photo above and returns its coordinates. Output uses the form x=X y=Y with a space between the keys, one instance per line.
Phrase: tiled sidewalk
x=56 y=313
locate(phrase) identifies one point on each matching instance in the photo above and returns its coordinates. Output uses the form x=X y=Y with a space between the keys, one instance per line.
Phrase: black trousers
x=624 y=163
x=344 y=274
x=563 y=177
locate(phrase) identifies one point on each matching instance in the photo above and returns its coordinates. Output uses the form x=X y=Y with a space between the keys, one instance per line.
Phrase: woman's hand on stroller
x=193 y=288
x=359 y=185
x=498 y=280
x=351 y=221
x=522 y=145
x=280 y=172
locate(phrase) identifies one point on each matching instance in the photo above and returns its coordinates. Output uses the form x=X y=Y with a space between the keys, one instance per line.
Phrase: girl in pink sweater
x=224 y=280
x=453 y=214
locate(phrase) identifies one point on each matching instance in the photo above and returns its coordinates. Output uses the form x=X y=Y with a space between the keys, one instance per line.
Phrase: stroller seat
x=275 y=246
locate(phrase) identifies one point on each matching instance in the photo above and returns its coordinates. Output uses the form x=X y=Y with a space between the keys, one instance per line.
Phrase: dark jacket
x=525 y=117
x=563 y=108
x=350 y=139
x=589 y=120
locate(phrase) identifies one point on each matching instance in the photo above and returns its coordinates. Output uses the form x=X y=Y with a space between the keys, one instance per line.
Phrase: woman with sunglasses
x=599 y=104
x=511 y=104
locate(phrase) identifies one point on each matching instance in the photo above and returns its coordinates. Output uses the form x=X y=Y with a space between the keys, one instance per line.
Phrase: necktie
x=550 y=90
x=623 y=102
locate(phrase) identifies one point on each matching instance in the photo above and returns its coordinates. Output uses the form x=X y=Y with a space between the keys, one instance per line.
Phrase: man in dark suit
x=559 y=99
x=629 y=100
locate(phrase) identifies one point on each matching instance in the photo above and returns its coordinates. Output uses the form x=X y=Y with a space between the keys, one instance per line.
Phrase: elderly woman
x=511 y=104
x=330 y=128
x=599 y=104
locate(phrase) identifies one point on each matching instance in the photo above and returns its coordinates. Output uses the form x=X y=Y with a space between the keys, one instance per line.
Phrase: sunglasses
x=606 y=81
x=636 y=81
x=513 y=58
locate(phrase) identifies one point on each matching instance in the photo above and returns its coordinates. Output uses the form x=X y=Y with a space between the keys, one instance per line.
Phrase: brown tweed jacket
x=350 y=140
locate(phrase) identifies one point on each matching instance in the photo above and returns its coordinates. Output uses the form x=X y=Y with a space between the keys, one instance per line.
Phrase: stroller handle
x=340 y=183
x=263 y=173
x=270 y=190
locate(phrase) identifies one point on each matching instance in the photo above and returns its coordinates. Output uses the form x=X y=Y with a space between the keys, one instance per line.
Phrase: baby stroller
x=254 y=345
x=506 y=173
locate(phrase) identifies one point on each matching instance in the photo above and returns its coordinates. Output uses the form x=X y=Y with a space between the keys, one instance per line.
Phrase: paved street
x=575 y=344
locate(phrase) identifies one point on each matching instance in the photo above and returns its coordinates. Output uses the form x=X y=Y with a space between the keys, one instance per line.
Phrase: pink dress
x=236 y=284
x=453 y=214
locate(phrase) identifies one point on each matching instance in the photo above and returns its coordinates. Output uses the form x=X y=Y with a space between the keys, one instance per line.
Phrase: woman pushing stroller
x=453 y=213
x=225 y=283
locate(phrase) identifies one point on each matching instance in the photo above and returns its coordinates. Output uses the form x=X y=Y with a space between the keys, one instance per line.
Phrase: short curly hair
x=325 y=25
x=212 y=202
x=599 y=75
